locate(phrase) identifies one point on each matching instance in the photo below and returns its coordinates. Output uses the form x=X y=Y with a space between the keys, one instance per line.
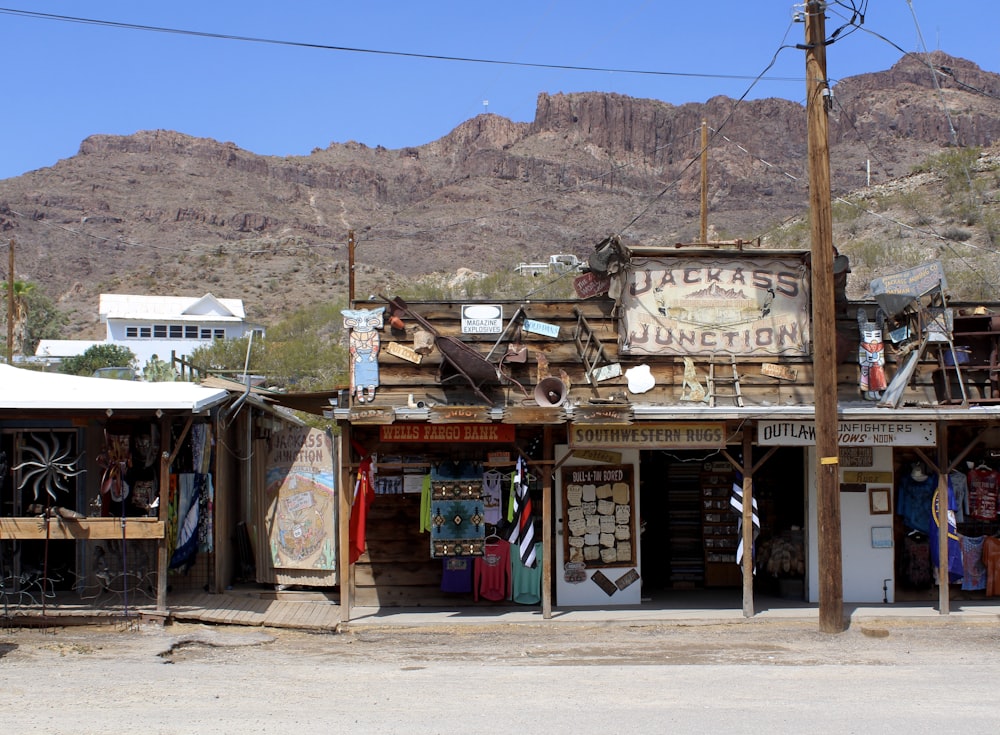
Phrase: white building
x=159 y=325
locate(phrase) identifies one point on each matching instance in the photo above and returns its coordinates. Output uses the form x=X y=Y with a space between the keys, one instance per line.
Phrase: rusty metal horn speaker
x=550 y=392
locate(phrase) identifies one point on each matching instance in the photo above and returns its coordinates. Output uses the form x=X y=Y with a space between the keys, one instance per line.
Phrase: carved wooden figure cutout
x=364 y=348
x=871 y=357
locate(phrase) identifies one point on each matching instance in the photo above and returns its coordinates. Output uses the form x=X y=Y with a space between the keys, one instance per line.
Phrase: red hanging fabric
x=364 y=491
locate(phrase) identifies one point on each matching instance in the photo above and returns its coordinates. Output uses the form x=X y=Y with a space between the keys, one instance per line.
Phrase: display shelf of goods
x=976 y=339
x=719 y=529
x=687 y=563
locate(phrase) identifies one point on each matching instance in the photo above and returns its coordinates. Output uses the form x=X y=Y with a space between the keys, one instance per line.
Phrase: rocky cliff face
x=163 y=212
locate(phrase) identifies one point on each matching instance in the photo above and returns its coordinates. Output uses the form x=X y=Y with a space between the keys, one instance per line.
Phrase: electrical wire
x=359 y=50
x=722 y=126
x=855 y=22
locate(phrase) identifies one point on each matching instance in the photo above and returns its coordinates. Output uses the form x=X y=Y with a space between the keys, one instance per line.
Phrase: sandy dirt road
x=923 y=677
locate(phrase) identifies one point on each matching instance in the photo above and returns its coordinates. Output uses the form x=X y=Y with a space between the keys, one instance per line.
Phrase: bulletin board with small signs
x=599 y=518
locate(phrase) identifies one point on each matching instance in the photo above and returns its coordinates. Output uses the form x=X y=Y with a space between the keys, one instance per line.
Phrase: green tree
x=227 y=356
x=305 y=351
x=99 y=356
x=44 y=321
x=19 y=317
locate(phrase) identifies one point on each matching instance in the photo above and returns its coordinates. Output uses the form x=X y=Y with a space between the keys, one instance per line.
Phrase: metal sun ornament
x=49 y=466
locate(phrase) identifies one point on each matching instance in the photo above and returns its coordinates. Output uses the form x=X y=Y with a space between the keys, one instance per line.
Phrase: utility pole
x=350 y=269
x=10 y=306
x=831 y=576
x=704 y=181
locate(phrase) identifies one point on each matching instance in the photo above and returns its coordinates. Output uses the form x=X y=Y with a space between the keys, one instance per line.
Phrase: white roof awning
x=30 y=389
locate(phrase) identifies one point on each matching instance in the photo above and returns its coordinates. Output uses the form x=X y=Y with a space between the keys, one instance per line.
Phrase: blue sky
x=65 y=81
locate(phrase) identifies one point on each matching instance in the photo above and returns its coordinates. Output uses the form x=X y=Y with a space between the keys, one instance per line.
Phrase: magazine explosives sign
x=701 y=306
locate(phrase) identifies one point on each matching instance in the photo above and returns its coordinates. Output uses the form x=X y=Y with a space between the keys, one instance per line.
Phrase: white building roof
x=29 y=389
x=170 y=308
x=64 y=347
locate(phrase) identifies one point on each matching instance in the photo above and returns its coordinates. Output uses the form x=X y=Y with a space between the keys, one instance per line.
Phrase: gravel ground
x=191 y=678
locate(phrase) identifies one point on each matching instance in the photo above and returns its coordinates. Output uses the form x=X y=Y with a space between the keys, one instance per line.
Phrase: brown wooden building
x=114 y=492
x=637 y=408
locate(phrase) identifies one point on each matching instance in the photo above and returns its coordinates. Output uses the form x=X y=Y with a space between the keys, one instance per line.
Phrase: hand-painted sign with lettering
x=302 y=501
x=911 y=282
x=702 y=306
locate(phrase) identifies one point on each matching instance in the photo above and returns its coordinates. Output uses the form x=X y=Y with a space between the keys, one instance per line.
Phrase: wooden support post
x=944 y=597
x=163 y=545
x=748 y=559
x=831 y=575
x=345 y=571
x=704 y=181
x=547 y=546
x=350 y=269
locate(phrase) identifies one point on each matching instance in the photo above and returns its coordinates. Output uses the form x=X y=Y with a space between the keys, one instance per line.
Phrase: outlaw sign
x=850 y=433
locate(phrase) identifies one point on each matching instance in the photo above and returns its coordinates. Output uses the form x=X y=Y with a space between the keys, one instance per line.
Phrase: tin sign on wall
x=482 y=319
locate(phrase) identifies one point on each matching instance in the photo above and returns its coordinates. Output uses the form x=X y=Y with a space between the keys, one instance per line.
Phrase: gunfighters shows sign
x=701 y=306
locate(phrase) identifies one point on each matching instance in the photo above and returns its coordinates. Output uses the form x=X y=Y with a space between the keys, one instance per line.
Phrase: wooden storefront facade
x=679 y=383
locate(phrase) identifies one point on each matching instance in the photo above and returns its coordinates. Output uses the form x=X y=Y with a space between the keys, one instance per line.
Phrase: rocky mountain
x=162 y=212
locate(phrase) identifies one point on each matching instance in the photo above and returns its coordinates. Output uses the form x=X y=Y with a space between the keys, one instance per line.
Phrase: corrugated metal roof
x=33 y=390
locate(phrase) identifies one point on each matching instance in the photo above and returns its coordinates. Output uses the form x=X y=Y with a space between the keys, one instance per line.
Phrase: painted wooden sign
x=589 y=285
x=301 y=518
x=707 y=305
x=603 y=414
x=850 y=433
x=404 y=352
x=459 y=433
x=650 y=435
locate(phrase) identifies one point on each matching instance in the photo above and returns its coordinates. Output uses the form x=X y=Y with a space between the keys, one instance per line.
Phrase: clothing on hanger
x=984 y=486
x=914 y=502
x=493 y=496
x=456 y=574
x=492 y=573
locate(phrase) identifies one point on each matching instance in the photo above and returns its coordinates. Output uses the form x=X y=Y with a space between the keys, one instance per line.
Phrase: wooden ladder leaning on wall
x=730 y=383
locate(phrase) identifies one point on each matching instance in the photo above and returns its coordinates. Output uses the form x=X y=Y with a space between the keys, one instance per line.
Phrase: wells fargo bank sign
x=700 y=306
x=425 y=433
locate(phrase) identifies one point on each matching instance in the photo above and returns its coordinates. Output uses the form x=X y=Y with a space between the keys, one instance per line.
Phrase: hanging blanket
x=187 y=522
x=458 y=528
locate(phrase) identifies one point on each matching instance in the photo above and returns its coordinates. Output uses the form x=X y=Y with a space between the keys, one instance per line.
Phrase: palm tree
x=20 y=316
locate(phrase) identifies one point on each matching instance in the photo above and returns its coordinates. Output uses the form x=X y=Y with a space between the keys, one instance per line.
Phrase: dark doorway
x=689 y=531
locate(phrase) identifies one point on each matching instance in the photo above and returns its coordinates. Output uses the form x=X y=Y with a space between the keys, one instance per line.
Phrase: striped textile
x=736 y=501
x=522 y=534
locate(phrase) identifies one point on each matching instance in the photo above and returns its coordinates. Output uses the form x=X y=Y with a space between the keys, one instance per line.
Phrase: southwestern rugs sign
x=703 y=306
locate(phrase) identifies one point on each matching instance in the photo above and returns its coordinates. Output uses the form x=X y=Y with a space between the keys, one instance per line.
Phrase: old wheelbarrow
x=459 y=361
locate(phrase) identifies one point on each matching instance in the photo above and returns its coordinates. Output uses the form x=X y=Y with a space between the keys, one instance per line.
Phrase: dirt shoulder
x=792 y=643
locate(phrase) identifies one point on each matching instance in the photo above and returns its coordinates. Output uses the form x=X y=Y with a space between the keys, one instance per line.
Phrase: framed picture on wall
x=880 y=500
x=882 y=537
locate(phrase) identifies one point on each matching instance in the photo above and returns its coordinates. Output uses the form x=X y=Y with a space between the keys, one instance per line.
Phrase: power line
x=725 y=122
x=379 y=52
